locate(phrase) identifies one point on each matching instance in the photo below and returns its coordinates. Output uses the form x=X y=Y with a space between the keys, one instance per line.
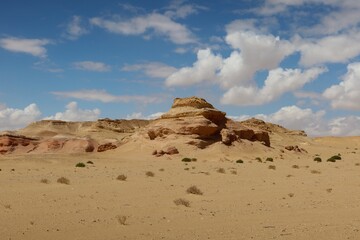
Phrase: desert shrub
x=273 y=167
x=329 y=190
x=80 y=164
x=317 y=159
x=182 y=201
x=239 y=161
x=357 y=164
x=258 y=159
x=194 y=159
x=186 y=159
x=89 y=162
x=334 y=158
x=161 y=169
x=121 y=177
x=315 y=172
x=295 y=166
x=233 y=172
x=269 y=159
x=187 y=169
x=44 y=180
x=194 y=190
x=122 y=219
x=221 y=170
x=63 y=180
x=291 y=194
x=149 y=174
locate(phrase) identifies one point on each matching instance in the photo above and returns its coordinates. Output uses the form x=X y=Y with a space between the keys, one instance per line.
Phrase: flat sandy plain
x=296 y=199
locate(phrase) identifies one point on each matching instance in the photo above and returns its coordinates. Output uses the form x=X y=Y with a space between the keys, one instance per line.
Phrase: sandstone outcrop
x=106 y=147
x=198 y=119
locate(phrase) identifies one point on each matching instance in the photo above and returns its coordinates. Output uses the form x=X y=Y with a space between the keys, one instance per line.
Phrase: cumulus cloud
x=346 y=94
x=204 y=69
x=278 y=82
x=12 y=118
x=140 y=115
x=92 y=66
x=179 y=10
x=33 y=47
x=313 y=123
x=103 y=96
x=160 y=24
x=152 y=69
x=331 y=49
x=75 y=28
x=74 y=113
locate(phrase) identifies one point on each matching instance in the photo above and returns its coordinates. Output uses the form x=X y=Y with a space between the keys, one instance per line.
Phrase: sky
x=291 y=62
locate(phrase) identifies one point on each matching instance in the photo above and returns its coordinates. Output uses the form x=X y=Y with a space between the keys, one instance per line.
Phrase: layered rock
x=198 y=119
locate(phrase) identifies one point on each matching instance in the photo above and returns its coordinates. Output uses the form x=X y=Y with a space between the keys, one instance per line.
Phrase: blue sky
x=292 y=62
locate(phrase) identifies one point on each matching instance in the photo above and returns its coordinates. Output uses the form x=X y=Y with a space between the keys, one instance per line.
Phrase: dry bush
x=161 y=169
x=315 y=172
x=329 y=190
x=150 y=174
x=7 y=206
x=221 y=170
x=182 y=201
x=121 y=177
x=44 y=180
x=291 y=194
x=63 y=180
x=295 y=166
x=122 y=219
x=194 y=190
x=233 y=172
x=273 y=167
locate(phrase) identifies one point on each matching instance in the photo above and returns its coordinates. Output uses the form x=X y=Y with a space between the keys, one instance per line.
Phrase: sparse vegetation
x=269 y=159
x=122 y=219
x=63 y=180
x=239 y=161
x=334 y=158
x=317 y=159
x=315 y=172
x=182 y=201
x=194 y=190
x=44 y=180
x=186 y=159
x=80 y=164
x=150 y=174
x=273 y=167
x=221 y=170
x=121 y=177
x=233 y=172
x=295 y=166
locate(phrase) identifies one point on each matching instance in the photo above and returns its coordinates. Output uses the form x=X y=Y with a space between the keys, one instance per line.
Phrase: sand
x=299 y=199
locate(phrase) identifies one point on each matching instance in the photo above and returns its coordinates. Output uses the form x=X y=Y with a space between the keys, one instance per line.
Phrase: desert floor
x=299 y=199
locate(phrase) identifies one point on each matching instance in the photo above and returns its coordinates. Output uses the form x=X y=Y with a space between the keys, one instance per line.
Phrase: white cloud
x=331 y=49
x=313 y=123
x=204 y=69
x=139 y=115
x=73 y=113
x=12 y=118
x=34 y=47
x=179 y=10
x=75 y=28
x=346 y=95
x=278 y=82
x=92 y=66
x=159 y=23
x=103 y=96
x=152 y=69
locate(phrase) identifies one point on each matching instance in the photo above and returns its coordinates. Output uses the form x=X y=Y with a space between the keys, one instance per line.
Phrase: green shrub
x=239 y=161
x=80 y=164
x=269 y=159
x=317 y=159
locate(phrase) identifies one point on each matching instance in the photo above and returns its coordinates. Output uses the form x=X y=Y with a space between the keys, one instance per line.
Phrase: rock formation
x=198 y=119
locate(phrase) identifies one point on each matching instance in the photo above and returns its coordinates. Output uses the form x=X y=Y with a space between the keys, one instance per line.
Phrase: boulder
x=106 y=147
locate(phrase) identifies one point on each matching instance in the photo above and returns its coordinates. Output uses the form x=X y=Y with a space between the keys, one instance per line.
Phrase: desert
x=210 y=188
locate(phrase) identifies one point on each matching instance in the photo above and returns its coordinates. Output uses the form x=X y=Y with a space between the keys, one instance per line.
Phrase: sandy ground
x=299 y=199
